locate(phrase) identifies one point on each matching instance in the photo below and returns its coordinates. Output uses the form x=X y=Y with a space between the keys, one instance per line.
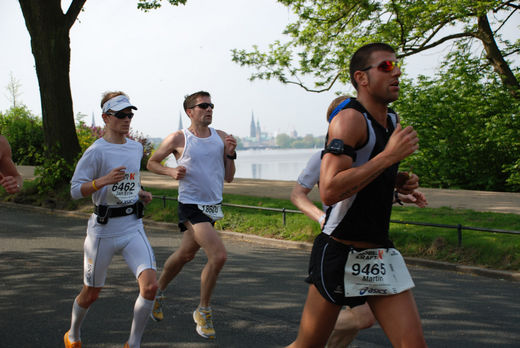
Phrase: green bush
x=53 y=173
x=468 y=126
x=24 y=132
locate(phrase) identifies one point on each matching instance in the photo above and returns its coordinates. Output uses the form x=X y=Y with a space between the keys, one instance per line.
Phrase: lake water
x=268 y=164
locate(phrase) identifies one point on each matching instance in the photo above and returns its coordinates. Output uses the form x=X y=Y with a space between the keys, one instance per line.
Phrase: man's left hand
x=230 y=144
x=416 y=197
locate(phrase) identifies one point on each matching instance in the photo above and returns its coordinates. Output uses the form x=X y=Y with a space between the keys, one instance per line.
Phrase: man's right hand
x=402 y=143
x=10 y=184
x=115 y=176
x=178 y=172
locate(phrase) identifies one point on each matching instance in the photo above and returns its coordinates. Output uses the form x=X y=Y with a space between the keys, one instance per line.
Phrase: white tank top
x=203 y=159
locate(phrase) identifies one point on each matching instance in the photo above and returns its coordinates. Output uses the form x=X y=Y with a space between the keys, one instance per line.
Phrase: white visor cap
x=117 y=103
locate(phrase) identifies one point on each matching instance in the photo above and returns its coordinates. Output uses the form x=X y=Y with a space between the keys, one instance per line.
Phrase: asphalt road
x=257 y=302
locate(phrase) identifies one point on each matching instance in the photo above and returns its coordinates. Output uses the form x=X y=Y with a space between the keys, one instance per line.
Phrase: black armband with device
x=336 y=147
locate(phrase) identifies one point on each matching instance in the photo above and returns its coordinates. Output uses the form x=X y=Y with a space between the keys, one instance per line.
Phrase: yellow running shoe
x=204 y=322
x=157 y=312
x=69 y=344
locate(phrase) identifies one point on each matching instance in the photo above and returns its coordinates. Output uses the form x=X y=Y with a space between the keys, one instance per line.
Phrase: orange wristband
x=94 y=185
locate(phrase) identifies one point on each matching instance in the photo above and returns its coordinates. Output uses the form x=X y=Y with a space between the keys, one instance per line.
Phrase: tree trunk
x=493 y=54
x=49 y=30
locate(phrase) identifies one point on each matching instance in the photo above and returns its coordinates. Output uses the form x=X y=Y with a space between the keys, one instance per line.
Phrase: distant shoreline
x=486 y=201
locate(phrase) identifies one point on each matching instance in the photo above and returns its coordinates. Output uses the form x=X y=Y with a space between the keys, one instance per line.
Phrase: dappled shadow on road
x=257 y=301
x=464 y=314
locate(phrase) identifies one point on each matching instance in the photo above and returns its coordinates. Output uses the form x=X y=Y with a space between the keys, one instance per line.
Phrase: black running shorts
x=327 y=269
x=191 y=213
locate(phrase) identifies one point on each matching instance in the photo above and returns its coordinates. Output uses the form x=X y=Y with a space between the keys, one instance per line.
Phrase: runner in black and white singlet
x=205 y=158
x=350 y=320
x=109 y=172
x=353 y=260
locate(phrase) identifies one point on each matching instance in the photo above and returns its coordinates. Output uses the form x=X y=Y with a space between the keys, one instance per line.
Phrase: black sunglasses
x=120 y=114
x=204 y=106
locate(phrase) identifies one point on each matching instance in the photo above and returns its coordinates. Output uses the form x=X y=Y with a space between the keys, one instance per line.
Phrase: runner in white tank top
x=109 y=171
x=205 y=158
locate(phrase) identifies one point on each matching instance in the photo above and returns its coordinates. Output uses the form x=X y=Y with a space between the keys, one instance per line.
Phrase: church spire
x=252 y=132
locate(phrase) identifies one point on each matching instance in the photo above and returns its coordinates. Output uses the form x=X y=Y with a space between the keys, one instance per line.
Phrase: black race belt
x=104 y=212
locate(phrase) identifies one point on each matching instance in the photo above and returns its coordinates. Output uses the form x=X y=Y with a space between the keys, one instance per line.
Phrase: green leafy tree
x=326 y=33
x=468 y=125
x=49 y=27
x=283 y=140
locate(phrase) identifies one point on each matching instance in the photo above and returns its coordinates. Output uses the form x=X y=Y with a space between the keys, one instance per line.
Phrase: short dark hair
x=361 y=57
x=189 y=100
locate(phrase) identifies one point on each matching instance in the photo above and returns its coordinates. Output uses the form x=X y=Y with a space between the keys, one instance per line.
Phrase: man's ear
x=361 y=78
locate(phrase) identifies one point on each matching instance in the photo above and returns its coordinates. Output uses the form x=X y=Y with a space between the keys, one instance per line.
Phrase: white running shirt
x=310 y=175
x=203 y=159
x=97 y=161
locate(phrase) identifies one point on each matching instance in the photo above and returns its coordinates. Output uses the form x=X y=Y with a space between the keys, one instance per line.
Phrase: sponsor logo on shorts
x=368 y=290
x=90 y=270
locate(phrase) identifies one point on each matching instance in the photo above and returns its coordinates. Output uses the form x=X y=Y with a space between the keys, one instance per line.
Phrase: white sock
x=78 y=314
x=142 y=310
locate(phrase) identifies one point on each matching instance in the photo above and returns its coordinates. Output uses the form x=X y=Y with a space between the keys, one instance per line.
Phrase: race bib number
x=125 y=191
x=376 y=272
x=213 y=211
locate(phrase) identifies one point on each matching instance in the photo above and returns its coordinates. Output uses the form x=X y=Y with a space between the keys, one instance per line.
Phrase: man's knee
x=366 y=322
x=220 y=258
x=149 y=289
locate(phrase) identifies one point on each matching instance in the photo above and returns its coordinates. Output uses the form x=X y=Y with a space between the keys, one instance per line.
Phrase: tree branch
x=505 y=21
x=299 y=83
x=494 y=55
x=507 y=4
x=412 y=51
x=73 y=12
x=401 y=25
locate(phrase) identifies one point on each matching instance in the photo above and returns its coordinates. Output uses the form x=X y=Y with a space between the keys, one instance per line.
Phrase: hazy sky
x=160 y=56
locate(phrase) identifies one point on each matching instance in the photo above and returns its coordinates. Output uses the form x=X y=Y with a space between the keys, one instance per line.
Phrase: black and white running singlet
x=365 y=216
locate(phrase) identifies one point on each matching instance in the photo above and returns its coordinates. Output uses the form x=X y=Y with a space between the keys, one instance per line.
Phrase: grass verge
x=487 y=249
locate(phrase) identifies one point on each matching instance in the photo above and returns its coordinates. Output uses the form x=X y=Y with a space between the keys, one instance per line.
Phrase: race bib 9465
x=376 y=272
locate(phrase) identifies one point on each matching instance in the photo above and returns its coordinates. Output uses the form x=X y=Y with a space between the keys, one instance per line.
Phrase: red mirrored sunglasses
x=385 y=66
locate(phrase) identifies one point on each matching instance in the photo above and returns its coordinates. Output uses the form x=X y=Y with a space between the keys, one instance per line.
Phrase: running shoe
x=157 y=312
x=69 y=344
x=204 y=322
